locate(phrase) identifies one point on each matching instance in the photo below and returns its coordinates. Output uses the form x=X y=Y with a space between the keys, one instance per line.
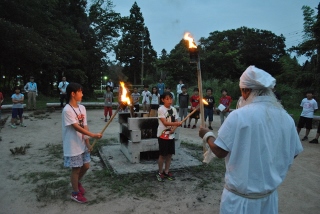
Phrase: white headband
x=255 y=78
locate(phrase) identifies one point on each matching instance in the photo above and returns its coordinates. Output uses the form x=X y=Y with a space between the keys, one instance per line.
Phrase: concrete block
x=139 y=123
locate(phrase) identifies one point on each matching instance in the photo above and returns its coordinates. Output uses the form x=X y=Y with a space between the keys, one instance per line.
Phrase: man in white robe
x=259 y=142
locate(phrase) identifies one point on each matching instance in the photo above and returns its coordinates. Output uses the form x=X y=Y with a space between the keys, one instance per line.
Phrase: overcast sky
x=167 y=20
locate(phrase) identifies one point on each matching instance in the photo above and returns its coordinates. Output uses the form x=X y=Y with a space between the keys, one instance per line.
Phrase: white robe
x=262 y=141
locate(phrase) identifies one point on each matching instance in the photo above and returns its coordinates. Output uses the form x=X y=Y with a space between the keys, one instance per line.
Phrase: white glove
x=208 y=155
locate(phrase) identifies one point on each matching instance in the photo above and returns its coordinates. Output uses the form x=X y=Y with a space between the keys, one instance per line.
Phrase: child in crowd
x=208 y=109
x=226 y=101
x=309 y=106
x=315 y=140
x=195 y=100
x=179 y=90
x=1 y=100
x=167 y=120
x=135 y=99
x=155 y=100
x=146 y=95
x=17 y=108
x=108 y=97
x=173 y=97
x=76 y=145
x=183 y=104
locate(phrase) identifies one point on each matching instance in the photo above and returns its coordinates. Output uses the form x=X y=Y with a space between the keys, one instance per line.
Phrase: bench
x=6 y=107
x=86 y=104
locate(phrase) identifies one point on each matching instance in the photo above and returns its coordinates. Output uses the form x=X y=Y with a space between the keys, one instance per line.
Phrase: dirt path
x=191 y=192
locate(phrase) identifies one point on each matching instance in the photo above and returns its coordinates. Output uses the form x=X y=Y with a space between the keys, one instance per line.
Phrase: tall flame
x=124 y=92
x=192 y=44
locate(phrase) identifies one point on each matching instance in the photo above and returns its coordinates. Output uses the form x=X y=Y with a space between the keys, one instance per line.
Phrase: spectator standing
x=226 y=101
x=208 y=109
x=1 y=101
x=309 y=106
x=135 y=99
x=179 y=90
x=17 y=108
x=160 y=87
x=108 y=97
x=155 y=100
x=183 y=104
x=146 y=95
x=259 y=143
x=32 y=90
x=62 y=87
x=195 y=100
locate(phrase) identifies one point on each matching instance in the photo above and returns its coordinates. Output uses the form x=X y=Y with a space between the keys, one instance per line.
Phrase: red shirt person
x=225 y=102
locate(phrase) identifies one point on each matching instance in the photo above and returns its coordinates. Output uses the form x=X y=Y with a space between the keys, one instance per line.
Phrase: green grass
x=54 y=183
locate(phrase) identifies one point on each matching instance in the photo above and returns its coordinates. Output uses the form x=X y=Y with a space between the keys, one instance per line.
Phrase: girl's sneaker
x=169 y=176
x=78 y=197
x=81 y=189
x=13 y=126
x=160 y=176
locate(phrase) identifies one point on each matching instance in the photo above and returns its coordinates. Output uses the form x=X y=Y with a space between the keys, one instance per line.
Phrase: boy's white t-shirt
x=155 y=99
x=308 y=107
x=73 y=141
x=146 y=97
x=163 y=113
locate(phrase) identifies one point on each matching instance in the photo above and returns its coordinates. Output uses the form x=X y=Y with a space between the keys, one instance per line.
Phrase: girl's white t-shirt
x=73 y=141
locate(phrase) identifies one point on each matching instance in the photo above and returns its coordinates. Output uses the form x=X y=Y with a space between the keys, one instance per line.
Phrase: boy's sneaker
x=160 y=176
x=78 y=197
x=185 y=126
x=13 y=126
x=314 y=141
x=22 y=125
x=305 y=138
x=169 y=176
x=105 y=120
x=210 y=128
x=81 y=189
x=194 y=126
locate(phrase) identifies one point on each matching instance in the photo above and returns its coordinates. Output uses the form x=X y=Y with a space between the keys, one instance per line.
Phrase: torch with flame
x=194 y=58
x=191 y=113
x=123 y=103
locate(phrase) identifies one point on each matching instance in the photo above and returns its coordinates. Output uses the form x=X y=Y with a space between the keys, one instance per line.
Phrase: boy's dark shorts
x=154 y=106
x=136 y=108
x=195 y=115
x=208 y=112
x=305 y=121
x=166 y=147
x=17 y=112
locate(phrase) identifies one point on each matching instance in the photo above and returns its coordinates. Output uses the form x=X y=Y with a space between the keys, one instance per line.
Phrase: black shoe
x=305 y=138
x=210 y=128
x=314 y=141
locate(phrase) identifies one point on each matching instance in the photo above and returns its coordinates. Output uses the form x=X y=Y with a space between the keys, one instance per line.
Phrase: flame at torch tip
x=192 y=44
x=124 y=92
x=205 y=102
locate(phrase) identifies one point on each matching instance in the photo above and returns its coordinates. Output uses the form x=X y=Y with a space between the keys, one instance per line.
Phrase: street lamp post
x=105 y=80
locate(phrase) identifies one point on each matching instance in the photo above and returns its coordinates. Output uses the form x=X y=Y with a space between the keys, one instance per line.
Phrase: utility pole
x=142 y=58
